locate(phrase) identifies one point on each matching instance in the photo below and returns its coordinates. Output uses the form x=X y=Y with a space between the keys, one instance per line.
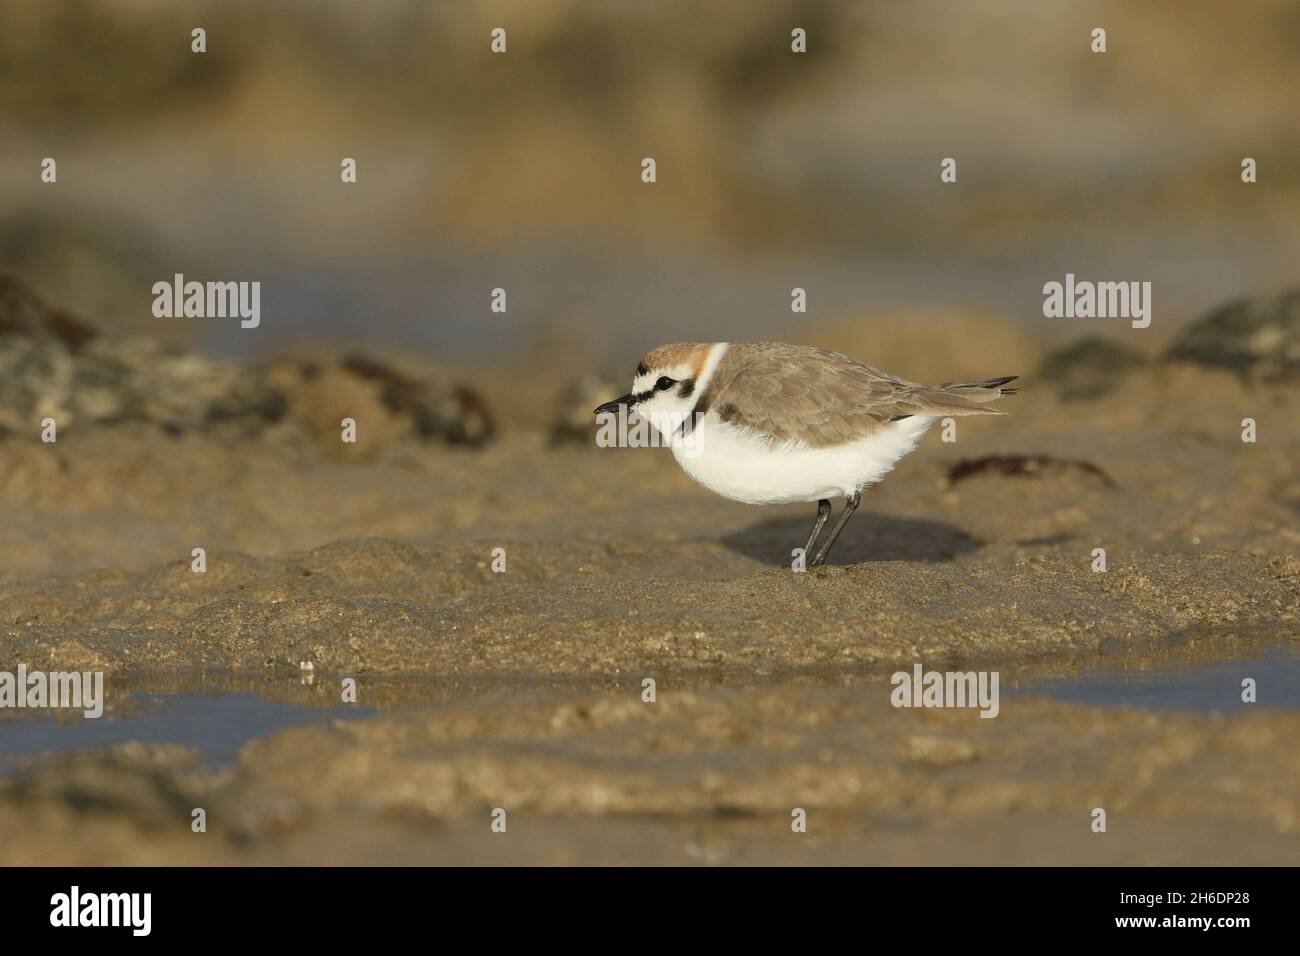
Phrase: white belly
x=735 y=465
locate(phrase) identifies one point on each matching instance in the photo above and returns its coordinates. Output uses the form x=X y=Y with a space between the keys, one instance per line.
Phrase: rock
x=1089 y=367
x=574 y=419
x=54 y=365
x=453 y=413
x=130 y=380
x=171 y=386
x=320 y=394
x=388 y=406
x=1025 y=466
x=24 y=314
x=1259 y=338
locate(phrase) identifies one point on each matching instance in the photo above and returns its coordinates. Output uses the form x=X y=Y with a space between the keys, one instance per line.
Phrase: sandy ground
x=520 y=689
x=699 y=776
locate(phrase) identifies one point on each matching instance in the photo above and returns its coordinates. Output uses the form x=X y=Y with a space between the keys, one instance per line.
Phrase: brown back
x=795 y=393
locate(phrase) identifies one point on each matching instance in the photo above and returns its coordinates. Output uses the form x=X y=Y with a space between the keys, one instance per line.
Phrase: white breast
x=743 y=467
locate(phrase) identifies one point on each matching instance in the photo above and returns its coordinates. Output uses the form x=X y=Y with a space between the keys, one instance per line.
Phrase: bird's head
x=666 y=386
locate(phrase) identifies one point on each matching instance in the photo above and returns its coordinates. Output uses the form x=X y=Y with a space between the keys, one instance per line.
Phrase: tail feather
x=987 y=383
x=968 y=398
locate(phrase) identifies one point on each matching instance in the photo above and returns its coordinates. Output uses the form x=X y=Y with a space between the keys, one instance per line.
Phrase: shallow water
x=217 y=724
x=218 y=714
x=1201 y=686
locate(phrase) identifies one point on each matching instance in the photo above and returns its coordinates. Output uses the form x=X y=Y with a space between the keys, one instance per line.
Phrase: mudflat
x=522 y=689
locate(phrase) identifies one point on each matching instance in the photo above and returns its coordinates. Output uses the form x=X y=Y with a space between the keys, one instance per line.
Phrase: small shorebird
x=773 y=424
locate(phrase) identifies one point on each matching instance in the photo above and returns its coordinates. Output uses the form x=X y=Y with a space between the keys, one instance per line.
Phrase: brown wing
x=791 y=392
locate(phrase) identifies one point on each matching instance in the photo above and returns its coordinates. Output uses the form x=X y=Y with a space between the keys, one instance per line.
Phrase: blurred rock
x=320 y=394
x=387 y=405
x=453 y=413
x=173 y=387
x=574 y=419
x=1089 y=367
x=1025 y=466
x=54 y=364
x=131 y=380
x=1256 y=337
x=22 y=313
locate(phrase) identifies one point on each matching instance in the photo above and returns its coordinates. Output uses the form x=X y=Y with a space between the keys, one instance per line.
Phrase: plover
x=774 y=424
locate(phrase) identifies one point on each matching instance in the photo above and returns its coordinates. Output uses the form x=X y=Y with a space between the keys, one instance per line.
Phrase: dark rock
x=53 y=365
x=573 y=419
x=1089 y=367
x=1025 y=466
x=1259 y=338
x=453 y=413
x=24 y=314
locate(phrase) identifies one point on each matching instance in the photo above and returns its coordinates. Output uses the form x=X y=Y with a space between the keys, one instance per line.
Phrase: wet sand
x=707 y=775
x=375 y=562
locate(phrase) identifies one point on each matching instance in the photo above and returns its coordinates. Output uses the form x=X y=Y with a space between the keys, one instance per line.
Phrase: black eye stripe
x=688 y=386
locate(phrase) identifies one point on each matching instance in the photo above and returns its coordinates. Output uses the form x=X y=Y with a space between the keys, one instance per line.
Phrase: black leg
x=823 y=512
x=850 y=506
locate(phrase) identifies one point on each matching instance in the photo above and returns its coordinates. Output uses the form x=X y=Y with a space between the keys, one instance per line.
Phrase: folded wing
x=789 y=393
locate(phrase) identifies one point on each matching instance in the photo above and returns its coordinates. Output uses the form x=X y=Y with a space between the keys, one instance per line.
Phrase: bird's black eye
x=664 y=383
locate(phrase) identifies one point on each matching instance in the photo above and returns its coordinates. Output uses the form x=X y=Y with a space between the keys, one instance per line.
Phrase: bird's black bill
x=615 y=405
